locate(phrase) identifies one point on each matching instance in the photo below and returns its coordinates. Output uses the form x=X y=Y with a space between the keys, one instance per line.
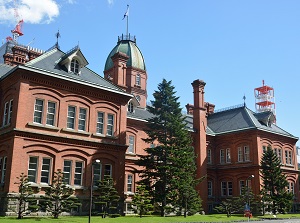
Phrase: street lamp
x=248 y=196
x=97 y=161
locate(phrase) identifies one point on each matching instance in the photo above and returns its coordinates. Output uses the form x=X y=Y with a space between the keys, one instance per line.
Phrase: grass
x=146 y=219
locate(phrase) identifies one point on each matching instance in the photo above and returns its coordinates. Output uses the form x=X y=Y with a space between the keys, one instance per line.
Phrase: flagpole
x=127 y=26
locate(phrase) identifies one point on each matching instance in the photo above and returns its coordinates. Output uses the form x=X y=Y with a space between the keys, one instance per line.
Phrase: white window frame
x=228 y=156
x=46 y=170
x=288 y=157
x=291 y=187
x=131 y=142
x=33 y=170
x=71 y=119
x=209 y=160
x=38 y=111
x=246 y=153
x=130 y=107
x=110 y=125
x=241 y=186
x=138 y=80
x=97 y=173
x=51 y=113
x=129 y=183
x=222 y=156
x=223 y=188
x=78 y=173
x=67 y=180
x=8 y=106
x=82 y=119
x=100 y=122
x=75 y=66
x=209 y=188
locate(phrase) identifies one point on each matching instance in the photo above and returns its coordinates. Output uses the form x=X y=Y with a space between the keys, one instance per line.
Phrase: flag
x=126 y=13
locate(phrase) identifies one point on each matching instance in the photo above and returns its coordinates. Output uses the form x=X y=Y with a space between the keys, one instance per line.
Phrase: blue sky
x=230 y=44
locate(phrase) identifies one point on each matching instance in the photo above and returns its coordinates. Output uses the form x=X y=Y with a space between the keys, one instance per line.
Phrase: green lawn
x=147 y=219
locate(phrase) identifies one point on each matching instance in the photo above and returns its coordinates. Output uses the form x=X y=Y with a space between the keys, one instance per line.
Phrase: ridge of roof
x=41 y=57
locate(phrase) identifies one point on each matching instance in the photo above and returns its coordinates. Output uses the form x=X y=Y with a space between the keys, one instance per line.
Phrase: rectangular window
x=45 y=173
x=242 y=186
x=3 y=169
x=131 y=144
x=240 y=154
x=71 y=117
x=209 y=161
x=97 y=172
x=32 y=169
x=51 y=113
x=228 y=157
x=10 y=111
x=264 y=148
x=100 y=122
x=82 y=119
x=288 y=157
x=246 y=153
x=110 y=125
x=138 y=80
x=78 y=173
x=222 y=156
x=291 y=187
x=223 y=188
x=38 y=111
x=67 y=171
x=229 y=186
x=108 y=170
x=129 y=183
x=209 y=188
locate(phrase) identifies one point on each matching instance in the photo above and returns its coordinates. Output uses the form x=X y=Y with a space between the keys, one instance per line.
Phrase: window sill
x=48 y=127
x=76 y=132
x=98 y=135
x=128 y=193
x=289 y=165
x=130 y=154
x=139 y=86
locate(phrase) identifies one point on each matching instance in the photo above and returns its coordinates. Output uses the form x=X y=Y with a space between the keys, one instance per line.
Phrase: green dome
x=128 y=46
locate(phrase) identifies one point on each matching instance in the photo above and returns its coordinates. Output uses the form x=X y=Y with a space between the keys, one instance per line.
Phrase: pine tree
x=171 y=164
x=24 y=197
x=58 y=196
x=106 y=196
x=274 y=193
x=142 y=201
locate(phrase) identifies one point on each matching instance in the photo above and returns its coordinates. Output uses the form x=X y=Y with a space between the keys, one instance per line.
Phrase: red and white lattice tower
x=264 y=98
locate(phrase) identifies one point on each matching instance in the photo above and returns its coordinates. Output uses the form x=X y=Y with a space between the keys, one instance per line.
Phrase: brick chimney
x=200 y=124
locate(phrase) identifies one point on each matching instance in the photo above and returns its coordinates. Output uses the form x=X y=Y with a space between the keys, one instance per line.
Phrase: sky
x=232 y=45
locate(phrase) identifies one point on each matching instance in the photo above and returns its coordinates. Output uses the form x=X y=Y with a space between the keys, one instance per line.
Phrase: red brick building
x=58 y=114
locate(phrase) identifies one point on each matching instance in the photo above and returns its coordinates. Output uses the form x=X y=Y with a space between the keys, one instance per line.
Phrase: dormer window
x=74 y=66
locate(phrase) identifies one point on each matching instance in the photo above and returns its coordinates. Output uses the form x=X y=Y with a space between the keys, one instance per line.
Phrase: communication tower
x=264 y=98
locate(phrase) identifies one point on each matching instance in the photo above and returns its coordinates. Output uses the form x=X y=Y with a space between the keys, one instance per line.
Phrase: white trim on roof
x=68 y=78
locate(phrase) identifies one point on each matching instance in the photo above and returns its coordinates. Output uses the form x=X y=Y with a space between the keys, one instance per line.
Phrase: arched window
x=138 y=80
x=75 y=66
x=130 y=107
x=138 y=98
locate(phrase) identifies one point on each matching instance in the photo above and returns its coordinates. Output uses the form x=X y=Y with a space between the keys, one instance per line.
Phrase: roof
x=49 y=64
x=242 y=118
x=226 y=121
x=4 y=69
x=130 y=48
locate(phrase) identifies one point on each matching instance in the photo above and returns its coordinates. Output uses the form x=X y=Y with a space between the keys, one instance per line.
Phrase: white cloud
x=31 y=11
x=110 y=2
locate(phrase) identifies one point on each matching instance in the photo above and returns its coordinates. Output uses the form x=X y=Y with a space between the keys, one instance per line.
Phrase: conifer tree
x=274 y=193
x=58 y=196
x=169 y=168
x=142 y=201
x=107 y=197
x=24 y=198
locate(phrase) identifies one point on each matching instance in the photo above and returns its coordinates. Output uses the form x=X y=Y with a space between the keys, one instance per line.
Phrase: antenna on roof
x=57 y=36
x=244 y=100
